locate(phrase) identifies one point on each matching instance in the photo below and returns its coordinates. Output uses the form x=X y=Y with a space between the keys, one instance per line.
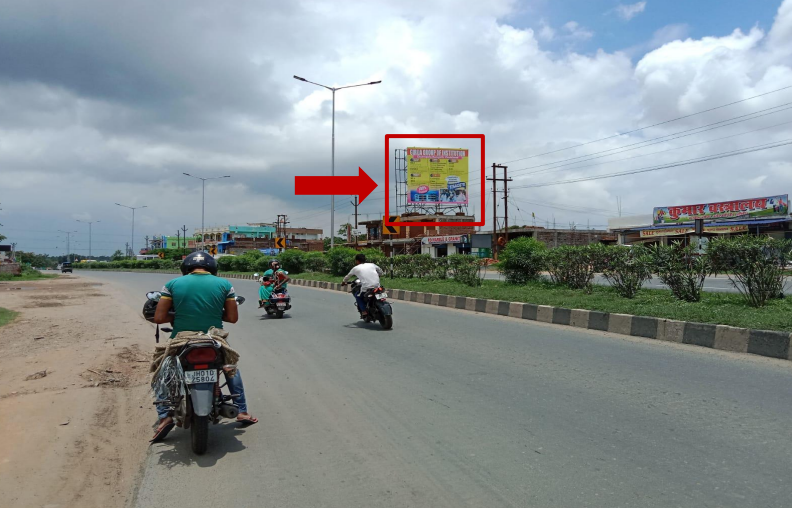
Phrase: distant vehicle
x=66 y=267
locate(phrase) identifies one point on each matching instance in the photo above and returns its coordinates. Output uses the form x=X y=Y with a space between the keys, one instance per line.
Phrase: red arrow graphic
x=361 y=185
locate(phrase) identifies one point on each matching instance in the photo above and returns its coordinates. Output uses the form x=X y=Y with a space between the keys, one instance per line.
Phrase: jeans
x=235 y=386
x=361 y=302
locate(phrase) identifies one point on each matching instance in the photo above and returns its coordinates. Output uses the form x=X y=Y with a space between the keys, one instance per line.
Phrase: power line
x=723 y=155
x=550 y=170
x=650 y=126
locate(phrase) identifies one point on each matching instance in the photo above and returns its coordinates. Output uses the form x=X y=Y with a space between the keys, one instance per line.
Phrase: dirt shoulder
x=75 y=413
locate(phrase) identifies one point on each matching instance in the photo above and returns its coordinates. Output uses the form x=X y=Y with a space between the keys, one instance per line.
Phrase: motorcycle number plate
x=381 y=296
x=193 y=377
x=281 y=305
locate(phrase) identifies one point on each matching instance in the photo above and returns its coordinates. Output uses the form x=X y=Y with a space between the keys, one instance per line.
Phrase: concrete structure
x=420 y=239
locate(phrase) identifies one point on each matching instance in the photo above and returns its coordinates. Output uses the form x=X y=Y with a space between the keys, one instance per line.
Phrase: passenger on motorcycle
x=200 y=300
x=265 y=290
x=369 y=275
x=273 y=279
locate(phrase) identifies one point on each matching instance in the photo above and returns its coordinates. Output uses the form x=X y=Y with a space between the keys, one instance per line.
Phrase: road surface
x=455 y=409
x=716 y=284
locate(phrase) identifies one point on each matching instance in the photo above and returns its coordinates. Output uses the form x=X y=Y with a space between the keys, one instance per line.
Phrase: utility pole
x=184 y=236
x=147 y=242
x=178 y=239
x=90 y=224
x=127 y=251
x=355 y=204
x=13 y=252
x=68 y=242
x=495 y=181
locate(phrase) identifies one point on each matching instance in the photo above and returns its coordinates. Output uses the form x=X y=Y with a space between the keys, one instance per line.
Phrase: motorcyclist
x=277 y=280
x=265 y=290
x=200 y=300
x=369 y=275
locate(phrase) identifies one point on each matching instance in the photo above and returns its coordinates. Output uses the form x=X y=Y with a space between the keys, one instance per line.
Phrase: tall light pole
x=332 y=163
x=133 y=208
x=68 y=242
x=203 y=200
x=89 y=233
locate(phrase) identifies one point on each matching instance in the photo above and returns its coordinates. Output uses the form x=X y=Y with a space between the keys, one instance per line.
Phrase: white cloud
x=71 y=144
x=629 y=11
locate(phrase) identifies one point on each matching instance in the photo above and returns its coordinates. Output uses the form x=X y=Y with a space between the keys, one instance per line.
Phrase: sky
x=104 y=103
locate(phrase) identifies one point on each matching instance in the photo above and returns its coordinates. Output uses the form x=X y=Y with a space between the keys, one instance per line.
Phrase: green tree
x=117 y=255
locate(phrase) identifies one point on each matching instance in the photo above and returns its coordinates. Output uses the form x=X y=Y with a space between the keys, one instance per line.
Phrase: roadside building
x=258 y=236
x=437 y=241
x=756 y=216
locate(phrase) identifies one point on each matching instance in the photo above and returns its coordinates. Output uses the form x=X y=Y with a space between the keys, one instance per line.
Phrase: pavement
x=456 y=409
x=715 y=284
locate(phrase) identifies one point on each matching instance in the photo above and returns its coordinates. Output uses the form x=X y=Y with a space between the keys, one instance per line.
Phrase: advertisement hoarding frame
x=388 y=137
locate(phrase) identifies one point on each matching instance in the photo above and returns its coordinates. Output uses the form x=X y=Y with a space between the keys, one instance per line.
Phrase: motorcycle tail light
x=202 y=355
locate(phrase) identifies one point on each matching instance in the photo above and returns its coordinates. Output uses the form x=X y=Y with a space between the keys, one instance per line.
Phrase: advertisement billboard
x=771 y=206
x=437 y=176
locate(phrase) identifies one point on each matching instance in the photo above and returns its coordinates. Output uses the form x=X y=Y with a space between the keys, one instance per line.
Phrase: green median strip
x=716 y=308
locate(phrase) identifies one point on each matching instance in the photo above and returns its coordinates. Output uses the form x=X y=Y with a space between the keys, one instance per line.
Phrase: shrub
x=682 y=270
x=627 y=268
x=375 y=256
x=225 y=263
x=575 y=266
x=341 y=260
x=465 y=269
x=315 y=261
x=292 y=260
x=523 y=260
x=754 y=264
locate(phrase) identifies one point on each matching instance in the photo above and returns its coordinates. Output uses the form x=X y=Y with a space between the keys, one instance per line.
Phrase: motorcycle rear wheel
x=278 y=314
x=386 y=322
x=199 y=433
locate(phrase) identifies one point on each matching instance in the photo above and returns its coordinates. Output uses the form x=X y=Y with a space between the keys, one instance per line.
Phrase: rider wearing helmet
x=200 y=300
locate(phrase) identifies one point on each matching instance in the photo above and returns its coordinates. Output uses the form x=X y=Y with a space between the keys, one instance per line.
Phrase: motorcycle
x=195 y=394
x=278 y=302
x=377 y=306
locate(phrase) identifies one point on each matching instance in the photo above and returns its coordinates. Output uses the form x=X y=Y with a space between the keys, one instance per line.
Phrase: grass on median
x=6 y=316
x=719 y=308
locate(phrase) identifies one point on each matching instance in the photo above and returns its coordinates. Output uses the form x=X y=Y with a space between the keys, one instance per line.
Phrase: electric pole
x=127 y=249
x=68 y=242
x=355 y=204
x=184 y=236
x=13 y=252
x=495 y=181
x=178 y=239
x=147 y=242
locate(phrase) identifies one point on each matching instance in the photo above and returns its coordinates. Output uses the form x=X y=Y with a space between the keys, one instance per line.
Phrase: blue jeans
x=361 y=302
x=235 y=386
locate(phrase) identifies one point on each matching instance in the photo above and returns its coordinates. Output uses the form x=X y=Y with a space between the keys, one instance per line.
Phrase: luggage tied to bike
x=172 y=347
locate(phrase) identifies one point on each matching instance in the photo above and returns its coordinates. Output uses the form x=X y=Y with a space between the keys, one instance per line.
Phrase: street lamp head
x=299 y=78
x=188 y=174
x=375 y=82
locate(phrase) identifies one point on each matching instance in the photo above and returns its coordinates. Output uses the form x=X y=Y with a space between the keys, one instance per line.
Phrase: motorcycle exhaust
x=229 y=411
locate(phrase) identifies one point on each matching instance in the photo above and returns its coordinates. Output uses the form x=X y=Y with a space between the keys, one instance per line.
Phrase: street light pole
x=133 y=208
x=90 y=223
x=68 y=243
x=332 y=147
x=203 y=201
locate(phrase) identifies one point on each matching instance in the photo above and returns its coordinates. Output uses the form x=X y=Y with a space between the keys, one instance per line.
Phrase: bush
x=375 y=256
x=292 y=260
x=465 y=269
x=627 y=268
x=575 y=267
x=341 y=260
x=225 y=263
x=682 y=270
x=523 y=260
x=754 y=264
x=315 y=261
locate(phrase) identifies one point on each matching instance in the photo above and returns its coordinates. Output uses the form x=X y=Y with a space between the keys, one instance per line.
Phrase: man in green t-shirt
x=278 y=280
x=200 y=301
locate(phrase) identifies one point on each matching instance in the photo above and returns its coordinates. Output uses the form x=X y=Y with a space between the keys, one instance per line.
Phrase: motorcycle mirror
x=284 y=271
x=153 y=295
x=255 y=275
x=240 y=300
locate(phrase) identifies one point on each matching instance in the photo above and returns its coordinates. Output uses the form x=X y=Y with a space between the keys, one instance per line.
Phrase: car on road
x=66 y=267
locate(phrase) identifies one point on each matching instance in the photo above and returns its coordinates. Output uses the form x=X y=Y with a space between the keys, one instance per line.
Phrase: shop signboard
x=432 y=240
x=754 y=208
x=651 y=233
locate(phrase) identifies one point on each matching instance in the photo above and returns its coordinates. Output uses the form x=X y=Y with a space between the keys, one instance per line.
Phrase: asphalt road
x=716 y=284
x=455 y=409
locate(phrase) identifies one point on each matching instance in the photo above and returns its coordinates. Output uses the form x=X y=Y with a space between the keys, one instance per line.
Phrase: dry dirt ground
x=75 y=413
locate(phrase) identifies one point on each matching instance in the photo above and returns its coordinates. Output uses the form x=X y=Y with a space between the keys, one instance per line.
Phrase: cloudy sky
x=104 y=102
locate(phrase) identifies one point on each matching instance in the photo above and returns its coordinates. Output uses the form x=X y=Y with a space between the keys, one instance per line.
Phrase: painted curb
x=773 y=344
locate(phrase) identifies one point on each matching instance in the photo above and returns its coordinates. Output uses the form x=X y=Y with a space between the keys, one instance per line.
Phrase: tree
x=117 y=255
x=2 y=237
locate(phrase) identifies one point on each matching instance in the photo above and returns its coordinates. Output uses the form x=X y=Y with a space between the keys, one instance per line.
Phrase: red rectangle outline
x=431 y=136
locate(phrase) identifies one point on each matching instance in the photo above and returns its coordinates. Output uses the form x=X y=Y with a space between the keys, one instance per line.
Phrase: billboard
x=755 y=208
x=437 y=175
x=651 y=233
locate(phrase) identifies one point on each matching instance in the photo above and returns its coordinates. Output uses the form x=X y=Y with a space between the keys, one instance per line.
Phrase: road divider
x=773 y=344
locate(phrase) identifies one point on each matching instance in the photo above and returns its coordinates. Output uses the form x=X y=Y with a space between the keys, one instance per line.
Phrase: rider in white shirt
x=369 y=276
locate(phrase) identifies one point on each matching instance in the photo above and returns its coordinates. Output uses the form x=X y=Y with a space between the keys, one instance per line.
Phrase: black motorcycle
x=377 y=306
x=195 y=394
x=278 y=303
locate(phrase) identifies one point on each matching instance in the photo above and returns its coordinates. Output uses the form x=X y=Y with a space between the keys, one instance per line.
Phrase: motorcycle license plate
x=281 y=305
x=381 y=296
x=193 y=377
